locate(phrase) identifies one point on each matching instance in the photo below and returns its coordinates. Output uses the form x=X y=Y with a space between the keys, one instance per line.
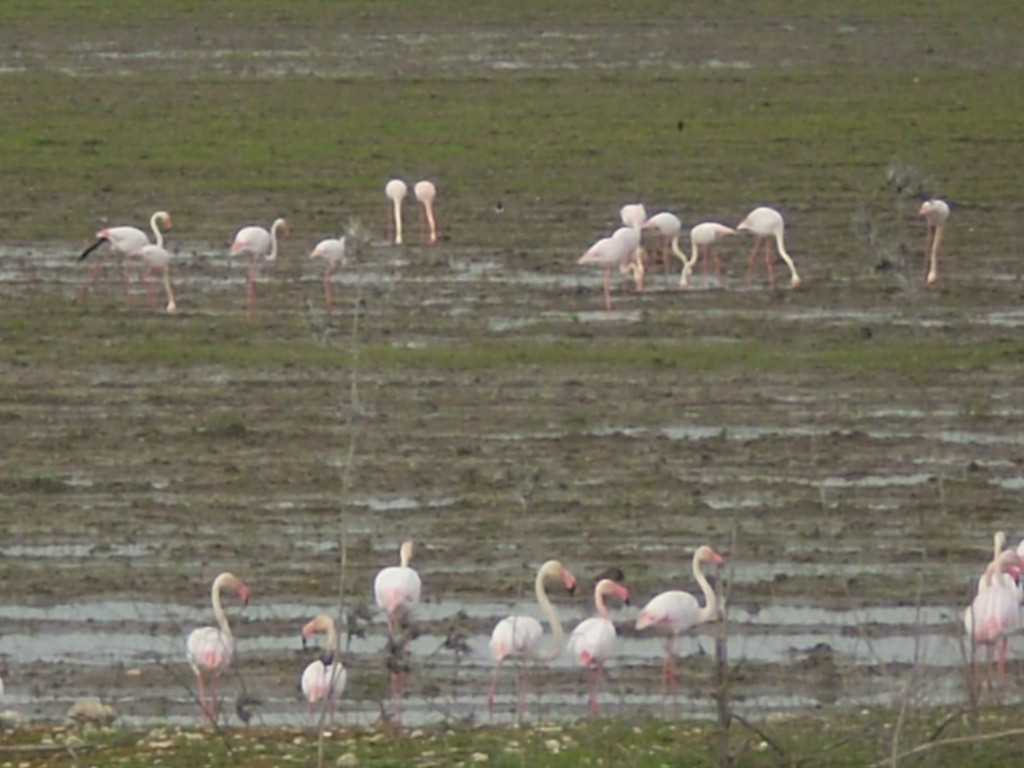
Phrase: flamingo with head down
x=425 y=192
x=332 y=251
x=395 y=190
x=617 y=250
x=935 y=213
x=211 y=649
x=680 y=611
x=593 y=640
x=521 y=638
x=767 y=225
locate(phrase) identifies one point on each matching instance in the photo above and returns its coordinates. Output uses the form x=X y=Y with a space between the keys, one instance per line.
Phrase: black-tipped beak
x=303 y=642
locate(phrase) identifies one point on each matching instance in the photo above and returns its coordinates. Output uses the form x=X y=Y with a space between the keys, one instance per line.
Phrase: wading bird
x=667 y=227
x=425 y=192
x=325 y=678
x=125 y=242
x=680 y=611
x=521 y=638
x=332 y=251
x=210 y=649
x=257 y=243
x=703 y=237
x=935 y=213
x=397 y=587
x=609 y=252
x=766 y=224
x=593 y=640
x=633 y=215
x=395 y=191
x=994 y=615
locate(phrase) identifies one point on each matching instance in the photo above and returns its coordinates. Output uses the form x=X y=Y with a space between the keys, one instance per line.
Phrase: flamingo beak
x=243 y=594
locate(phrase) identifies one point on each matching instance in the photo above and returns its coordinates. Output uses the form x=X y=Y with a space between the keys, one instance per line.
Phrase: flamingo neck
x=154 y=225
x=429 y=209
x=171 y=306
x=710 y=609
x=551 y=650
x=935 y=244
x=218 y=609
x=602 y=610
x=273 y=242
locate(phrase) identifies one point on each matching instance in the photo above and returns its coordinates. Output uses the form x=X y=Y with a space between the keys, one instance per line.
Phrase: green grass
x=854 y=739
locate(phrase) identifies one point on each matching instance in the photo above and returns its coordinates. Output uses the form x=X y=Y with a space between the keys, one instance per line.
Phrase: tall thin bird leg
x=711 y=252
x=668 y=674
x=750 y=261
x=250 y=292
x=768 y=261
x=150 y=288
x=93 y=272
x=493 y=689
x=607 y=290
x=327 y=287
x=524 y=681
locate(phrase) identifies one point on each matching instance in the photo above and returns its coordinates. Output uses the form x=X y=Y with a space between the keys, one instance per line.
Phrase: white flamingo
x=325 y=678
x=994 y=614
x=680 y=611
x=125 y=242
x=766 y=224
x=593 y=640
x=609 y=252
x=521 y=638
x=395 y=191
x=668 y=228
x=210 y=649
x=257 y=243
x=425 y=192
x=703 y=237
x=332 y=251
x=935 y=213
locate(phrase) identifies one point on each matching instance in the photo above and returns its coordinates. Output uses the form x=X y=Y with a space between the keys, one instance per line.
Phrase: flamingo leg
x=750 y=261
x=718 y=264
x=493 y=689
x=202 y=696
x=327 y=288
x=607 y=289
x=524 y=681
x=1001 y=657
x=668 y=675
x=89 y=278
x=768 y=262
x=250 y=292
x=150 y=288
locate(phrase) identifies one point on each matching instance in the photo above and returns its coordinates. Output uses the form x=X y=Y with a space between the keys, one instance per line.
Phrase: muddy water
x=853 y=509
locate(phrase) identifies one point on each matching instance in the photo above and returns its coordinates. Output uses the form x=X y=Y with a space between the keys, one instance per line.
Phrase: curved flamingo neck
x=218 y=609
x=157 y=232
x=602 y=610
x=710 y=609
x=552 y=649
x=397 y=201
x=273 y=240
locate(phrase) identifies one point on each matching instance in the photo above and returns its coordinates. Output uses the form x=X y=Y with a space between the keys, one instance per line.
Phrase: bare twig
x=928 y=746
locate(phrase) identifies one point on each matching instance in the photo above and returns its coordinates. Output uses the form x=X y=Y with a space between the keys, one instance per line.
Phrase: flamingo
x=325 y=678
x=210 y=649
x=257 y=243
x=611 y=251
x=994 y=613
x=126 y=242
x=703 y=237
x=935 y=213
x=398 y=587
x=396 y=191
x=425 y=192
x=680 y=611
x=593 y=640
x=157 y=258
x=520 y=637
x=332 y=251
x=633 y=216
x=767 y=223
x=667 y=227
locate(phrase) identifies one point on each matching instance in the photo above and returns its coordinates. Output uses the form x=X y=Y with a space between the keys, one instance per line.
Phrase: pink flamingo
x=425 y=192
x=395 y=191
x=325 y=678
x=126 y=242
x=935 y=213
x=995 y=613
x=667 y=227
x=397 y=587
x=593 y=640
x=608 y=252
x=158 y=259
x=210 y=649
x=765 y=224
x=703 y=237
x=680 y=611
x=332 y=251
x=257 y=243
x=520 y=637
